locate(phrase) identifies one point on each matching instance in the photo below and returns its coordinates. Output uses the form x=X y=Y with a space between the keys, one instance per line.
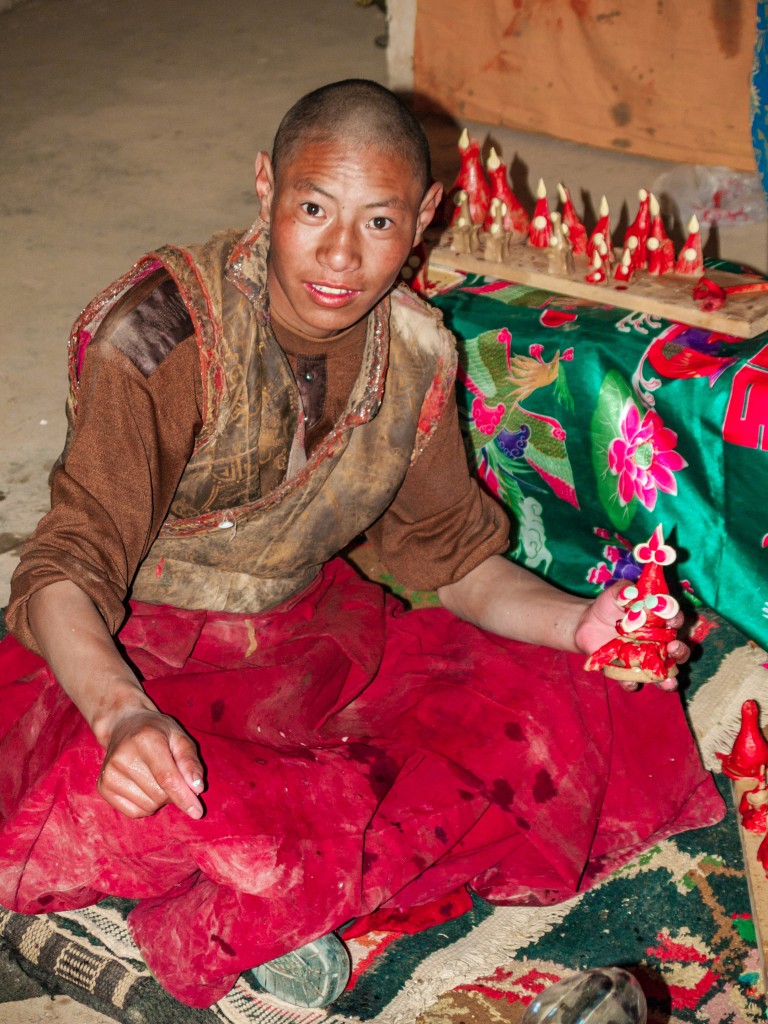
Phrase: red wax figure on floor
x=753 y=807
x=748 y=757
x=280 y=747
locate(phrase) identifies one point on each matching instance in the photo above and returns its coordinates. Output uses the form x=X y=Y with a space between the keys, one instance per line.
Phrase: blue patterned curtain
x=759 y=93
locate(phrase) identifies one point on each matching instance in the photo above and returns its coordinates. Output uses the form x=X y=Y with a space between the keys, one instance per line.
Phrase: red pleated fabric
x=359 y=759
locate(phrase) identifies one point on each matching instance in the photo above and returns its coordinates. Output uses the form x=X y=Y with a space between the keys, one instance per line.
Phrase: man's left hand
x=598 y=626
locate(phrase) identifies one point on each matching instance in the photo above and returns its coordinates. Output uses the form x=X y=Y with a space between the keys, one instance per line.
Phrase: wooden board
x=756 y=880
x=669 y=296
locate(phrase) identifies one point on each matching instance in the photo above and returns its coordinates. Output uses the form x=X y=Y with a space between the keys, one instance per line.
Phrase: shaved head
x=359 y=111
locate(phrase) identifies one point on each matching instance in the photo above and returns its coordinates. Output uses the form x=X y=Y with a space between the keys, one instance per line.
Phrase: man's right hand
x=150 y=762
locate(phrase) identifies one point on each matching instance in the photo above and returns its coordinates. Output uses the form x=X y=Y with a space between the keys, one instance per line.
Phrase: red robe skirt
x=358 y=756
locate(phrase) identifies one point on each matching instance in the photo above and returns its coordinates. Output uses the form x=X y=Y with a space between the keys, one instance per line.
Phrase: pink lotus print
x=644 y=457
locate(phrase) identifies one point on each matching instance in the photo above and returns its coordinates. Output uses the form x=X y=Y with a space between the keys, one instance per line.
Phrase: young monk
x=213 y=714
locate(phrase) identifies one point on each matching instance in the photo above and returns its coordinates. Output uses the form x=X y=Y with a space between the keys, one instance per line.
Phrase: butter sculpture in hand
x=640 y=650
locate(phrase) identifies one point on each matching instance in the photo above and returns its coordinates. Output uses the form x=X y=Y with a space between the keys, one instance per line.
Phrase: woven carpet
x=678 y=917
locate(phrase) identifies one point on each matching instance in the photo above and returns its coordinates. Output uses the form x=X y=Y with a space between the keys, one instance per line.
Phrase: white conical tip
x=596 y=261
x=493 y=161
x=654 y=204
x=541 y=189
x=562 y=193
x=626 y=257
x=604 y=207
x=642 y=195
x=693 y=225
x=464 y=140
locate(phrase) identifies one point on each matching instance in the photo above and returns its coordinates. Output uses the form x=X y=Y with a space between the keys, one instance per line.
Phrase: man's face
x=342 y=222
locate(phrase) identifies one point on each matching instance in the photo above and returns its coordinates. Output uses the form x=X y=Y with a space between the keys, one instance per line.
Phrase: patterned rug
x=678 y=917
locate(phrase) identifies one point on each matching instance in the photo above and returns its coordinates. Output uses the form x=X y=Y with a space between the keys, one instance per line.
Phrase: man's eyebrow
x=391 y=202
x=307 y=185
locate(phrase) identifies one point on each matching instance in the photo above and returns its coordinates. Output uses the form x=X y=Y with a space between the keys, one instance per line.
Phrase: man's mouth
x=326 y=289
x=329 y=296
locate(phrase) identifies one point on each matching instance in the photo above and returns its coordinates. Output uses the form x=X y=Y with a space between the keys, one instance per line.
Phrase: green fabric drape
x=593 y=425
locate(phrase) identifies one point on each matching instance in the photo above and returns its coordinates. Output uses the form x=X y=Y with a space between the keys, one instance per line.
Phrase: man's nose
x=340 y=248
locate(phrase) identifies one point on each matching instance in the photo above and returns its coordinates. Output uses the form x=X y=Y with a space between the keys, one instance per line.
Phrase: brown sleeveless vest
x=253 y=520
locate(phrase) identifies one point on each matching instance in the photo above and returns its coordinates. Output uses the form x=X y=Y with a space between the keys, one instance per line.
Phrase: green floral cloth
x=594 y=425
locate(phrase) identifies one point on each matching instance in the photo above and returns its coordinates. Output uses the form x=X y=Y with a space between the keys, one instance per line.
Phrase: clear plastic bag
x=717 y=195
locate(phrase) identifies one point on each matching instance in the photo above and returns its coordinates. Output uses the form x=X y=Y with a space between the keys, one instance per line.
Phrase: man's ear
x=265 y=184
x=427 y=210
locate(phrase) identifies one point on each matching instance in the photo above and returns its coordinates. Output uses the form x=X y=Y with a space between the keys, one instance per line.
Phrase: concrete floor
x=128 y=125
x=44 y=1010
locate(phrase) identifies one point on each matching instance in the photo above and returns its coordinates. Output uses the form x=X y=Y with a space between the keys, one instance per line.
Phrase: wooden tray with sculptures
x=490 y=233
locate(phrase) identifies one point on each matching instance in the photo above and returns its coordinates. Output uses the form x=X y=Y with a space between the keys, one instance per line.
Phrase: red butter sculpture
x=639 y=652
x=749 y=754
x=471 y=178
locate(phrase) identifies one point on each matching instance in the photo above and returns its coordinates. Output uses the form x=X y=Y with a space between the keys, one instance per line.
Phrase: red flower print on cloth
x=644 y=457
